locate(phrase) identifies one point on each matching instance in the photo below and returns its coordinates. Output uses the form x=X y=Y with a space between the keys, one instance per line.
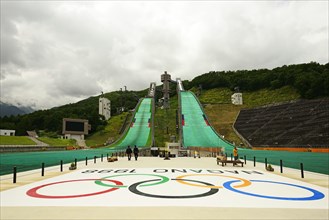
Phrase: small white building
x=5 y=132
x=104 y=107
x=237 y=99
x=74 y=136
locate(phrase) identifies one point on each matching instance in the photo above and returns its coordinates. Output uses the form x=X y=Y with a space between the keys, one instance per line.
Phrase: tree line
x=311 y=80
x=50 y=120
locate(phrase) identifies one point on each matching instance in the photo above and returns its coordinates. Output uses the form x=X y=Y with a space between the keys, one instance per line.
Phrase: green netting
x=32 y=160
x=315 y=162
x=139 y=132
x=196 y=132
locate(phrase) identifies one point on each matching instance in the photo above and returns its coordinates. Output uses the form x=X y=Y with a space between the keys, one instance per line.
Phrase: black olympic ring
x=133 y=189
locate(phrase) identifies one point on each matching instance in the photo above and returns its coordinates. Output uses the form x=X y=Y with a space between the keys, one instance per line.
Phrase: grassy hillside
x=222 y=117
x=58 y=141
x=165 y=120
x=110 y=131
x=250 y=99
x=222 y=114
x=267 y=96
x=16 y=140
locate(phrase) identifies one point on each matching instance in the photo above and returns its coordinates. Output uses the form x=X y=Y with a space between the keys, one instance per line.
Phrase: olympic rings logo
x=136 y=188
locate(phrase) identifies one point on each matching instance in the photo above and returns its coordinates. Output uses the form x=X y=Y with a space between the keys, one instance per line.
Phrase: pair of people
x=129 y=151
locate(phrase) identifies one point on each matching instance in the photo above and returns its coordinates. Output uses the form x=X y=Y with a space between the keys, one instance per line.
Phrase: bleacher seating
x=302 y=123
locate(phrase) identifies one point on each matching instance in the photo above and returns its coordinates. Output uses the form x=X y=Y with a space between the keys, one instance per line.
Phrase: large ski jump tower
x=165 y=79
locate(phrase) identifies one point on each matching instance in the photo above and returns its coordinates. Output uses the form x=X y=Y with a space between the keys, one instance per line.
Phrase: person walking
x=128 y=152
x=136 y=151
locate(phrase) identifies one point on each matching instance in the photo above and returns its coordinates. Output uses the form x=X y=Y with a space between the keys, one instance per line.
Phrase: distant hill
x=50 y=120
x=308 y=81
x=311 y=80
x=8 y=110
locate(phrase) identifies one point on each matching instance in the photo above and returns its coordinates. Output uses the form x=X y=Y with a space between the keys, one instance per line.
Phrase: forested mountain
x=8 y=110
x=51 y=120
x=311 y=80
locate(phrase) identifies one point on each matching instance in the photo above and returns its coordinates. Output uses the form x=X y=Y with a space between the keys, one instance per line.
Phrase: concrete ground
x=157 y=212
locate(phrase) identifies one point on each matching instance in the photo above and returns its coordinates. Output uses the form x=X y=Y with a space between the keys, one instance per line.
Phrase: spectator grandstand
x=298 y=124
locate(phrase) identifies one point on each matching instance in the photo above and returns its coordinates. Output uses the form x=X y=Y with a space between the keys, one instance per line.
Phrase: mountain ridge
x=309 y=80
x=13 y=110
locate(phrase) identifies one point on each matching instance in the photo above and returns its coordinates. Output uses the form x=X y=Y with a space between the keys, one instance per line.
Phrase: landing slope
x=197 y=132
x=139 y=131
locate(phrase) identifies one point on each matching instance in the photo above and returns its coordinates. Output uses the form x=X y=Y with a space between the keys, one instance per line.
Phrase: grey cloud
x=74 y=50
x=75 y=82
x=10 y=46
x=28 y=11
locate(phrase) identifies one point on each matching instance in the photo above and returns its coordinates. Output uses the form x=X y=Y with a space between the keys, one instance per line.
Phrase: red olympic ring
x=33 y=192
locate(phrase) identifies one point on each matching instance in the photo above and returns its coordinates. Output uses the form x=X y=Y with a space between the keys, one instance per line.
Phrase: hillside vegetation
x=222 y=114
x=259 y=87
x=110 y=133
x=165 y=123
x=58 y=141
x=51 y=120
x=311 y=80
x=250 y=99
x=16 y=140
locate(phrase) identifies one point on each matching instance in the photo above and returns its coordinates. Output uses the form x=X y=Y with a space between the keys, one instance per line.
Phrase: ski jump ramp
x=195 y=126
x=139 y=132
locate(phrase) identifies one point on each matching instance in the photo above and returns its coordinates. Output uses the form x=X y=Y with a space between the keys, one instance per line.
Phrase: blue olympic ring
x=316 y=194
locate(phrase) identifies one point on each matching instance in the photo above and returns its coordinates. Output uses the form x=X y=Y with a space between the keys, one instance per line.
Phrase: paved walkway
x=127 y=205
x=38 y=142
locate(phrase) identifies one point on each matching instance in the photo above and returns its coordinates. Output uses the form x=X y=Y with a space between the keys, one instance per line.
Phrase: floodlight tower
x=165 y=78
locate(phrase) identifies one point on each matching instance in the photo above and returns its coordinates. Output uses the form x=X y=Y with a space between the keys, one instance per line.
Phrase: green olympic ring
x=164 y=180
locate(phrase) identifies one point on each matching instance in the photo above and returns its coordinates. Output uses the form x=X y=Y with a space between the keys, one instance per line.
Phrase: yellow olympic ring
x=245 y=182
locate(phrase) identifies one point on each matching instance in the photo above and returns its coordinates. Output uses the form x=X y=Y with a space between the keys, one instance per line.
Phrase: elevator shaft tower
x=165 y=79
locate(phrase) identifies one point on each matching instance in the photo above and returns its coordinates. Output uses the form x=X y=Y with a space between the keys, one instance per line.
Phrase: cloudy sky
x=59 y=52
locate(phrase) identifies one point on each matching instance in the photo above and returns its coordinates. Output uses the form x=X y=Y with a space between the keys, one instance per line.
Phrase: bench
x=224 y=161
x=112 y=159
